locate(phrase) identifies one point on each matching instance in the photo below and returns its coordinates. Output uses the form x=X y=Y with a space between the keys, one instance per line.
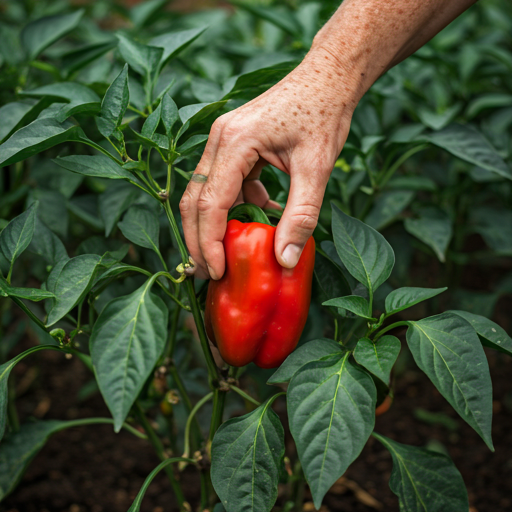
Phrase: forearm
x=365 y=38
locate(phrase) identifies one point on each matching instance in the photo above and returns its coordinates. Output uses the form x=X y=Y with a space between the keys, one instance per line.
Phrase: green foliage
x=420 y=194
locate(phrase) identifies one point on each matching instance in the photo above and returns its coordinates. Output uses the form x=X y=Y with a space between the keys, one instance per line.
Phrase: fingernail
x=291 y=255
x=212 y=273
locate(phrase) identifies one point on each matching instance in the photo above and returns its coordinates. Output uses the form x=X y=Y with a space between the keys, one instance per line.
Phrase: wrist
x=342 y=78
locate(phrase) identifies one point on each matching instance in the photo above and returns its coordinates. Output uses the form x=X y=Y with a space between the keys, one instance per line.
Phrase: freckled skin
x=361 y=41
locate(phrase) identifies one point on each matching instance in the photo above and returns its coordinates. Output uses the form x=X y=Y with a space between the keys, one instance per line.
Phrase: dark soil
x=92 y=469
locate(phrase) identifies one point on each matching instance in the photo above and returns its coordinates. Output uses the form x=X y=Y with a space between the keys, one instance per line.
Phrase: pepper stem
x=248 y=212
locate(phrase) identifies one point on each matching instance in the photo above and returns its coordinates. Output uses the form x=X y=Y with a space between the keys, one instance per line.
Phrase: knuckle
x=204 y=203
x=306 y=217
x=185 y=203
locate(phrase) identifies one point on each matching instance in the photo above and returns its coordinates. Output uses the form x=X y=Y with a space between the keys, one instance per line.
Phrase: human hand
x=298 y=126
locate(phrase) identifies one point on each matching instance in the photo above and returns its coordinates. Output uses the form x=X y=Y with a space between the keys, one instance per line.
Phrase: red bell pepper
x=258 y=309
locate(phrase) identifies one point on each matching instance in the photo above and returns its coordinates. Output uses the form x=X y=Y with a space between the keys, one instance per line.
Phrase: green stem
x=389 y=173
x=31 y=315
x=191 y=416
x=137 y=111
x=169 y=178
x=140 y=496
x=101 y=149
x=148 y=171
x=243 y=394
x=213 y=375
x=389 y=327
x=336 y=329
x=219 y=400
x=160 y=451
x=95 y=421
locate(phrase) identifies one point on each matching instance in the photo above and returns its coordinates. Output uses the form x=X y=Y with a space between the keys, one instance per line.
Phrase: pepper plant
x=115 y=158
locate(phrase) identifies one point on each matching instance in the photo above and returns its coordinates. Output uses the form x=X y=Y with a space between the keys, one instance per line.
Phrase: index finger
x=231 y=165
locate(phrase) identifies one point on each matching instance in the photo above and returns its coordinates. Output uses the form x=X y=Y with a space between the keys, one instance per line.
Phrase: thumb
x=300 y=216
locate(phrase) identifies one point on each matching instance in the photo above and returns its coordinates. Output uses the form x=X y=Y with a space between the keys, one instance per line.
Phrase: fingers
x=300 y=215
x=188 y=203
x=233 y=161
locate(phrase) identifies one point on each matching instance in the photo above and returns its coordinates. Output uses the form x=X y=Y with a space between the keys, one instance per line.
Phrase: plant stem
x=389 y=173
x=95 y=421
x=137 y=111
x=191 y=416
x=31 y=315
x=336 y=329
x=160 y=451
x=219 y=400
x=213 y=374
x=389 y=327
x=243 y=394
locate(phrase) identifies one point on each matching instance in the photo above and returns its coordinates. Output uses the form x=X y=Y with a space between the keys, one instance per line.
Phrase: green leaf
x=33 y=294
x=365 y=253
x=436 y=120
x=140 y=225
x=412 y=183
x=70 y=91
x=114 y=202
x=71 y=285
x=5 y=371
x=192 y=144
x=424 y=481
x=379 y=357
x=18 y=450
x=331 y=410
x=79 y=58
x=493 y=100
x=38 y=136
x=52 y=209
x=330 y=278
x=353 y=303
x=126 y=342
x=98 y=166
x=114 y=104
x=142 y=58
x=192 y=114
x=100 y=246
x=280 y=18
x=17 y=235
x=448 y=350
x=19 y=113
x=387 y=207
x=247 y=454
x=495 y=227
x=152 y=121
x=403 y=298
x=315 y=350
x=47 y=244
x=142 y=12
x=491 y=334
x=39 y=34
x=467 y=143
x=433 y=227
x=175 y=42
x=250 y=85
x=169 y=113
